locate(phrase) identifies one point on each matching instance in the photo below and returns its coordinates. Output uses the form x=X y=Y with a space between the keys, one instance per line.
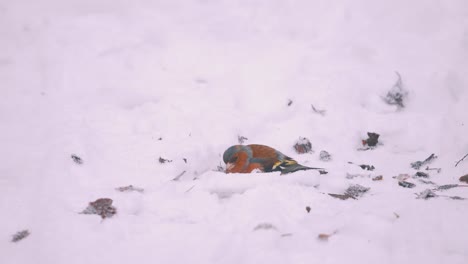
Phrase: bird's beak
x=229 y=166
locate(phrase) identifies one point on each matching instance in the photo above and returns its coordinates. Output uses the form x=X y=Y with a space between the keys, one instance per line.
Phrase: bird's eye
x=233 y=159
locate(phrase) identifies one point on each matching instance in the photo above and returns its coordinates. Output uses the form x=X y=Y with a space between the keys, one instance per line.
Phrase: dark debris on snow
x=20 y=235
x=102 y=207
x=418 y=164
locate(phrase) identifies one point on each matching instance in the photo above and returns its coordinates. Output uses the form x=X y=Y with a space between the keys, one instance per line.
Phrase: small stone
x=464 y=178
x=303 y=145
x=372 y=140
x=308 y=209
x=325 y=156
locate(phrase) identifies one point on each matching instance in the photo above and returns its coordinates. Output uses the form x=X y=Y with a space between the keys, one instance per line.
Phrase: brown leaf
x=378 y=178
x=323 y=237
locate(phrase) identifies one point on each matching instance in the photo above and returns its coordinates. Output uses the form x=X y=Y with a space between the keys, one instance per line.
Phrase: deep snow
x=106 y=79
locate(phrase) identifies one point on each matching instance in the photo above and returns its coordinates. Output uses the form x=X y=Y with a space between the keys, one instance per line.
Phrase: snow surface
x=104 y=80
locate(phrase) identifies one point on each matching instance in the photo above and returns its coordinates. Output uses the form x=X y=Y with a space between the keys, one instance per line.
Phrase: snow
x=105 y=80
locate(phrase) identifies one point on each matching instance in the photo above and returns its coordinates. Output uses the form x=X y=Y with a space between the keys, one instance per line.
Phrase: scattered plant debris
x=325 y=156
x=102 y=207
x=163 y=160
x=130 y=188
x=185 y=160
x=160 y=138
x=447 y=187
x=76 y=159
x=320 y=112
x=20 y=235
x=290 y=102
x=402 y=177
x=356 y=190
x=456 y=198
x=308 y=209
x=189 y=189
x=464 y=178
x=286 y=235
x=426 y=194
x=406 y=184
x=456 y=164
x=341 y=196
x=427 y=182
x=372 y=140
x=418 y=164
x=352 y=176
x=323 y=172
x=378 y=178
x=325 y=237
x=434 y=169
x=364 y=166
x=422 y=174
x=397 y=94
x=303 y=145
x=178 y=176
x=396 y=215
x=241 y=139
x=220 y=168
x=265 y=226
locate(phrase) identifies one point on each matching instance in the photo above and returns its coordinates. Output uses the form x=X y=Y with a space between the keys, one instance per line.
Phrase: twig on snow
x=456 y=164
x=320 y=112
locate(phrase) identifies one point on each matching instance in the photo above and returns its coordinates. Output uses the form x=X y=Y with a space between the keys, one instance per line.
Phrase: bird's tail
x=290 y=165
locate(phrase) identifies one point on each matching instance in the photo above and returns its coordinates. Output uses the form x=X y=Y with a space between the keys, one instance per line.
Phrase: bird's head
x=231 y=155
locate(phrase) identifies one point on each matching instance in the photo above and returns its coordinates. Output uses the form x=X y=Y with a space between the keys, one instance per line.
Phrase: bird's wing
x=268 y=164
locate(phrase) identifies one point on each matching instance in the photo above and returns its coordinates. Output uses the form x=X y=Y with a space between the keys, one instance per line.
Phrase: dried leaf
x=102 y=207
x=378 y=178
x=76 y=159
x=341 y=196
x=303 y=145
x=20 y=235
x=130 y=188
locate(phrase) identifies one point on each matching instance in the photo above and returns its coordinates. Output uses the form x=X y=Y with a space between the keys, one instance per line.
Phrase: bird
x=249 y=158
